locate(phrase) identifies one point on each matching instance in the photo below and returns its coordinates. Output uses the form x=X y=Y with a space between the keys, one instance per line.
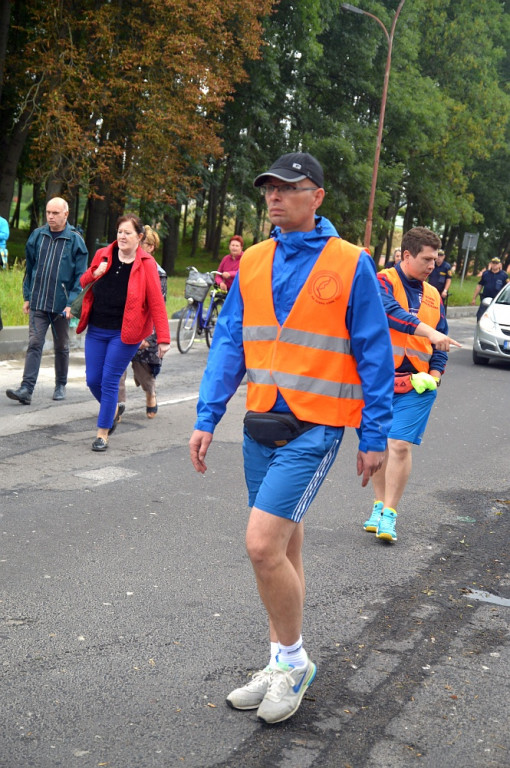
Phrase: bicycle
x=196 y=318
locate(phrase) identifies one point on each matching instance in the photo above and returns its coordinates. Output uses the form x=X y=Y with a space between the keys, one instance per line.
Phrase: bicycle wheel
x=213 y=319
x=187 y=328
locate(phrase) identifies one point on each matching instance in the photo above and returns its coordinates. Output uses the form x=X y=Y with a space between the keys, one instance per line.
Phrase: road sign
x=470 y=241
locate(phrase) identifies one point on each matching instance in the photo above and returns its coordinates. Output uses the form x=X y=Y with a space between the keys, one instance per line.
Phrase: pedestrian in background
x=146 y=363
x=229 y=265
x=395 y=259
x=491 y=282
x=55 y=259
x=419 y=335
x=119 y=311
x=4 y=236
x=305 y=321
x=441 y=276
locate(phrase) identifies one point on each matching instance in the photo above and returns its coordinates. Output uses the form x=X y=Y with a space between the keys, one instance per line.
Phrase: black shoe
x=60 y=392
x=100 y=444
x=120 y=410
x=22 y=395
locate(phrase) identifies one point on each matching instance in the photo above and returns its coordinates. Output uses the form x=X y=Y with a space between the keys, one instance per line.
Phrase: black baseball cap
x=294 y=166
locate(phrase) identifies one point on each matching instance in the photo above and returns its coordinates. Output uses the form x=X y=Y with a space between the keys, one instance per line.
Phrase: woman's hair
x=135 y=221
x=151 y=237
x=238 y=238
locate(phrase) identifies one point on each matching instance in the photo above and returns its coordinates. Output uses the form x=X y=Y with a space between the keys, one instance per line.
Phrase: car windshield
x=504 y=296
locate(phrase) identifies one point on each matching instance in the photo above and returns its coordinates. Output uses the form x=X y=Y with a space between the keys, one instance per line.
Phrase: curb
x=14 y=340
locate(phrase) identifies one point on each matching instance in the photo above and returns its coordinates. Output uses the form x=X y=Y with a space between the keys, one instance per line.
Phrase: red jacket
x=145 y=306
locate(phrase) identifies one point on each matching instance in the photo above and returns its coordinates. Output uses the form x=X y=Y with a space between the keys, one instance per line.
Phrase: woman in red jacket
x=120 y=310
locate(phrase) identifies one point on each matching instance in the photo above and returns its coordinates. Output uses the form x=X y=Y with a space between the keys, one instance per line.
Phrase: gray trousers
x=38 y=325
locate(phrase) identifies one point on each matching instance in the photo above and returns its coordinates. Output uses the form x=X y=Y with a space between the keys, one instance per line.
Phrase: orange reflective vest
x=416 y=348
x=308 y=359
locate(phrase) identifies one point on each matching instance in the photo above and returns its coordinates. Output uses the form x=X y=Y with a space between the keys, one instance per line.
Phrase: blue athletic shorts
x=284 y=481
x=411 y=413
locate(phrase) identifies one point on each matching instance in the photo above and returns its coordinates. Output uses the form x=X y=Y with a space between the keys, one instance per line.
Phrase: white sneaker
x=287 y=687
x=251 y=694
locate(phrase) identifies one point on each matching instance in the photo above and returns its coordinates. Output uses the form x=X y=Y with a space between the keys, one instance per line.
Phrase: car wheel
x=479 y=360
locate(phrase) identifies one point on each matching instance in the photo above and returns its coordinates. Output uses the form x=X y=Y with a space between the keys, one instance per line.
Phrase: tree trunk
x=97 y=222
x=5 y=17
x=74 y=204
x=11 y=148
x=221 y=210
x=35 y=208
x=17 y=210
x=197 y=221
x=212 y=208
x=171 y=241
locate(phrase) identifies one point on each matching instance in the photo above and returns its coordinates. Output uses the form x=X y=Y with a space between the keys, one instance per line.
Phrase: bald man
x=56 y=257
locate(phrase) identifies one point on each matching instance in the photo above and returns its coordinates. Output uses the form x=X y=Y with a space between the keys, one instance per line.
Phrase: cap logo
x=297 y=166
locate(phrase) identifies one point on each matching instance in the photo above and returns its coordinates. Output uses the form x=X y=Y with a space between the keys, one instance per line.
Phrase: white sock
x=274 y=653
x=295 y=654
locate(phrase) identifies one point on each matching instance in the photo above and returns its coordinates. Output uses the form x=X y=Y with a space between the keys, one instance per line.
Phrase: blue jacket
x=53 y=268
x=295 y=255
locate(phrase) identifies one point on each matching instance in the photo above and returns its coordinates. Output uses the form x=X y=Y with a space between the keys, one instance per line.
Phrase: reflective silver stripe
x=316 y=340
x=259 y=376
x=260 y=332
x=305 y=384
x=410 y=352
x=318 y=386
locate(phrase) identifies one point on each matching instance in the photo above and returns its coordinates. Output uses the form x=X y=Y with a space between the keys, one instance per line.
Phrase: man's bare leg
x=280 y=585
x=295 y=555
x=398 y=469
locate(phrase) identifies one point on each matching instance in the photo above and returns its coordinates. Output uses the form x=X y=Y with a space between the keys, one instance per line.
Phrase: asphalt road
x=128 y=608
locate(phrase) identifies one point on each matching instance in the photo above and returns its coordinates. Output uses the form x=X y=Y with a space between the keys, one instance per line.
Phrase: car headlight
x=487 y=323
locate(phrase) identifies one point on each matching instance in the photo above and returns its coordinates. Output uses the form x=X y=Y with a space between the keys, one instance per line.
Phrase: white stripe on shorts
x=316 y=482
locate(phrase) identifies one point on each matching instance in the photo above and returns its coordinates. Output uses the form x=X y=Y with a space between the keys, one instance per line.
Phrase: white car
x=492 y=334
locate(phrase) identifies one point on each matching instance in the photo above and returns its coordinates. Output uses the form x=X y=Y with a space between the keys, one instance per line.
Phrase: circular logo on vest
x=325 y=287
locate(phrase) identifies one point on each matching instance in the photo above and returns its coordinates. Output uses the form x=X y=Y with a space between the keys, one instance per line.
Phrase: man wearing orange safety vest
x=305 y=322
x=418 y=331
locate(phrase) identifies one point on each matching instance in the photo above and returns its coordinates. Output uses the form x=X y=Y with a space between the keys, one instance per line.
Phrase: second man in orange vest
x=419 y=336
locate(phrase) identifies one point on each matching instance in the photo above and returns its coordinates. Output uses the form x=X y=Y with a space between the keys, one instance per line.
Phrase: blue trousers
x=106 y=359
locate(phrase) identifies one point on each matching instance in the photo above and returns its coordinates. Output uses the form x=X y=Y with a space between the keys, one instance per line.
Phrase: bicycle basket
x=197 y=285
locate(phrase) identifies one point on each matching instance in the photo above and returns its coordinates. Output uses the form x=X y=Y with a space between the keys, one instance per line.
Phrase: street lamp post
x=389 y=39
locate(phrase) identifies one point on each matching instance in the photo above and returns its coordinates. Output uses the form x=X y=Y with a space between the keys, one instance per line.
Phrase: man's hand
x=198 y=445
x=67 y=311
x=26 y=307
x=367 y=464
x=442 y=342
x=438 y=339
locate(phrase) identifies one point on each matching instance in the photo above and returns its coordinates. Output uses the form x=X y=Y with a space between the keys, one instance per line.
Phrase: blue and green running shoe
x=372 y=523
x=387 y=522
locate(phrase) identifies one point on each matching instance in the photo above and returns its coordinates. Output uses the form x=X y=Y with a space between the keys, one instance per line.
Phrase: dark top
x=492 y=283
x=110 y=293
x=440 y=275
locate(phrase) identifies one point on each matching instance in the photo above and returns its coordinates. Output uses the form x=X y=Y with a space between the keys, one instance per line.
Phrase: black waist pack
x=275 y=429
